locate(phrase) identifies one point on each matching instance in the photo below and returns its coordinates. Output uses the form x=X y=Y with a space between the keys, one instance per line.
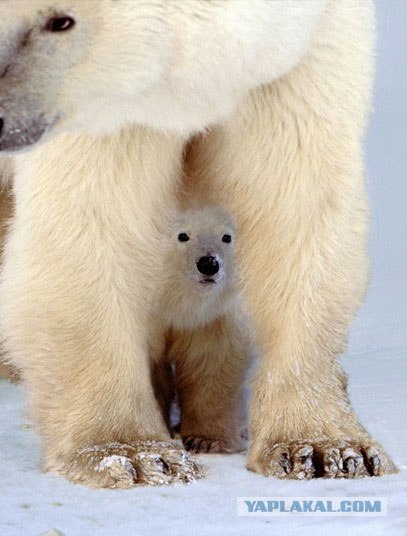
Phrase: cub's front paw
x=303 y=460
x=206 y=445
x=117 y=465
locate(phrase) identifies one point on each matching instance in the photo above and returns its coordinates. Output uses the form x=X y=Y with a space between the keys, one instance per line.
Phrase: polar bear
x=206 y=343
x=258 y=106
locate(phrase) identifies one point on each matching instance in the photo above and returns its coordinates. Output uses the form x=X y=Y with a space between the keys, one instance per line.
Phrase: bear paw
x=204 y=445
x=117 y=465
x=303 y=460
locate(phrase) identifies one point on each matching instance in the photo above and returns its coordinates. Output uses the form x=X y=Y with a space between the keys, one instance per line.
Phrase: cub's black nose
x=208 y=265
x=1 y=126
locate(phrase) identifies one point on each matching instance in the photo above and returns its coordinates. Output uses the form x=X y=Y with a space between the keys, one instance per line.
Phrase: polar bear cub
x=206 y=344
x=200 y=281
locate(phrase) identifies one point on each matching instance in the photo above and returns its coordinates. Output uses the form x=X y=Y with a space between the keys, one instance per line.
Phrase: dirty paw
x=303 y=460
x=340 y=460
x=286 y=460
x=205 y=445
x=343 y=459
x=117 y=465
x=377 y=462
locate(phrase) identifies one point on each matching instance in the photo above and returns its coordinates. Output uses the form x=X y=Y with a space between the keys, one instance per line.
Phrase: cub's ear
x=6 y=171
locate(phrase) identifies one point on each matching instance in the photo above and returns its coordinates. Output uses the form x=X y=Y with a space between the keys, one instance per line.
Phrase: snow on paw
x=303 y=460
x=353 y=463
x=287 y=460
x=117 y=465
x=101 y=466
x=117 y=470
x=330 y=463
x=346 y=459
x=339 y=459
x=164 y=463
x=377 y=462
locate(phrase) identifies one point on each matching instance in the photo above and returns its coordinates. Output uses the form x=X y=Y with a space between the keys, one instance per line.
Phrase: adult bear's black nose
x=1 y=126
x=208 y=265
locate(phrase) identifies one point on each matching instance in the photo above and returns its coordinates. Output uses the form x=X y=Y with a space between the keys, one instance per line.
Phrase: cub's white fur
x=206 y=342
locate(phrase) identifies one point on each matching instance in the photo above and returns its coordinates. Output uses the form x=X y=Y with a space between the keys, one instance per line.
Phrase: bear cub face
x=199 y=281
x=203 y=251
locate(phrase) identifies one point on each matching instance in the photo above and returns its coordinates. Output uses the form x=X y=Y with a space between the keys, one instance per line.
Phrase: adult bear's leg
x=289 y=167
x=7 y=371
x=81 y=263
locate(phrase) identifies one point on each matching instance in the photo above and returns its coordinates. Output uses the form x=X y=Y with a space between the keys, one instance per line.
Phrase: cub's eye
x=183 y=237
x=59 y=24
x=227 y=238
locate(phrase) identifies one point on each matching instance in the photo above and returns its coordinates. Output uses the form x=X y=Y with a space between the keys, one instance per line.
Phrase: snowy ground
x=32 y=503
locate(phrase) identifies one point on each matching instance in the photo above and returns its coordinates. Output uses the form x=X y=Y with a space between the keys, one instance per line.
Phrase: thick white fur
x=6 y=369
x=86 y=321
x=174 y=64
x=82 y=260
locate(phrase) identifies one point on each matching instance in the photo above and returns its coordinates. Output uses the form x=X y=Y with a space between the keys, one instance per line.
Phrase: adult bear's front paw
x=303 y=460
x=118 y=465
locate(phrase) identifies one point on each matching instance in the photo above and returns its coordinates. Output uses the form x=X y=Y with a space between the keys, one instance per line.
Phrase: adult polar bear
x=81 y=260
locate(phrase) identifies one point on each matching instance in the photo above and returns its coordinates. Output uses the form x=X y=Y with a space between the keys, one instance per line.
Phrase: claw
x=373 y=461
x=285 y=462
x=323 y=458
x=304 y=452
x=210 y=446
x=350 y=467
x=332 y=463
x=142 y=463
x=279 y=461
x=303 y=466
x=353 y=465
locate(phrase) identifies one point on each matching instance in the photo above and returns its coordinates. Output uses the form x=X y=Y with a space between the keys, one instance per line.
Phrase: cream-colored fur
x=79 y=330
x=167 y=64
x=288 y=165
x=6 y=173
x=6 y=208
x=205 y=333
x=82 y=261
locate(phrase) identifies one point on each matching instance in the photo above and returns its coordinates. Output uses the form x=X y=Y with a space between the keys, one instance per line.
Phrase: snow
x=32 y=504
x=109 y=461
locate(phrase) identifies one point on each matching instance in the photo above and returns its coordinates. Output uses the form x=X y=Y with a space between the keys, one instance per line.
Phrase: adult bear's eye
x=183 y=237
x=59 y=24
x=227 y=238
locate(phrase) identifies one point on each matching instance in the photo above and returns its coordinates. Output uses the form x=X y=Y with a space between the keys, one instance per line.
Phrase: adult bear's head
x=169 y=64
